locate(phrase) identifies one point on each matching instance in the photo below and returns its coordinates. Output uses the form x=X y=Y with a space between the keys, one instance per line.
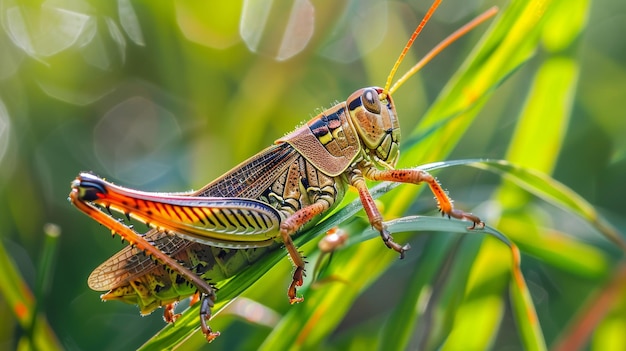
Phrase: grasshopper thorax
x=374 y=116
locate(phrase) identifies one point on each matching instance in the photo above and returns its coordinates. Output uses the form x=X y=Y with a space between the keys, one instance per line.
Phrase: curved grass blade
x=553 y=192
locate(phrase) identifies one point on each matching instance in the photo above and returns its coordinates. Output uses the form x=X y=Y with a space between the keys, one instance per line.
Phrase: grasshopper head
x=89 y=187
x=374 y=116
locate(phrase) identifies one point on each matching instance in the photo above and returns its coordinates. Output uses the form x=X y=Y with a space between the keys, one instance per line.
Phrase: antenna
x=417 y=31
x=437 y=49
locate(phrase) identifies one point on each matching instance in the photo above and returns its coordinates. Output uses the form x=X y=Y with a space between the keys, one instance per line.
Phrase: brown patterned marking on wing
x=252 y=176
x=130 y=263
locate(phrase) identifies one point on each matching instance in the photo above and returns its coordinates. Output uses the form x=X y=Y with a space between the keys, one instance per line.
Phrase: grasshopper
x=217 y=231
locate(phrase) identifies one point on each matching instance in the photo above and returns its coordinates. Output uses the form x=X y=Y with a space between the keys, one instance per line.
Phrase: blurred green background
x=166 y=96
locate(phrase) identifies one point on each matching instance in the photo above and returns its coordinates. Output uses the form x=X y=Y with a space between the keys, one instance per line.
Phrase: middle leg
x=287 y=228
x=373 y=214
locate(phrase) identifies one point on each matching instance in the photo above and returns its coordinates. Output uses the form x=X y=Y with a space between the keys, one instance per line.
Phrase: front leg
x=373 y=214
x=416 y=176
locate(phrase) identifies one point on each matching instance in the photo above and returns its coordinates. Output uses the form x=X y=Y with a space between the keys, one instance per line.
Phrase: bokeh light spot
x=118 y=37
x=277 y=30
x=132 y=141
x=63 y=91
x=210 y=23
x=361 y=29
x=5 y=129
x=46 y=30
x=129 y=21
x=10 y=56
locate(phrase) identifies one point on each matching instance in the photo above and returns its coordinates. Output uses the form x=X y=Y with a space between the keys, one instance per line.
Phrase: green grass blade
x=539 y=134
x=21 y=300
x=524 y=311
x=556 y=193
x=479 y=316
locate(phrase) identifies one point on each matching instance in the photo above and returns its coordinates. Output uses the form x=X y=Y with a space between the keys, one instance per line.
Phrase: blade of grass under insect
x=553 y=192
x=20 y=298
x=348 y=211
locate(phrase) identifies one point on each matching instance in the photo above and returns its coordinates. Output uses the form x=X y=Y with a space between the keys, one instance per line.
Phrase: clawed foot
x=206 y=302
x=210 y=336
x=458 y=214
x=298 y=279
x=388 y=240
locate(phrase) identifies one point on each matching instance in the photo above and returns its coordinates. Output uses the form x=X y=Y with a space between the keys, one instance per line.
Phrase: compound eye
x=370 y=100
